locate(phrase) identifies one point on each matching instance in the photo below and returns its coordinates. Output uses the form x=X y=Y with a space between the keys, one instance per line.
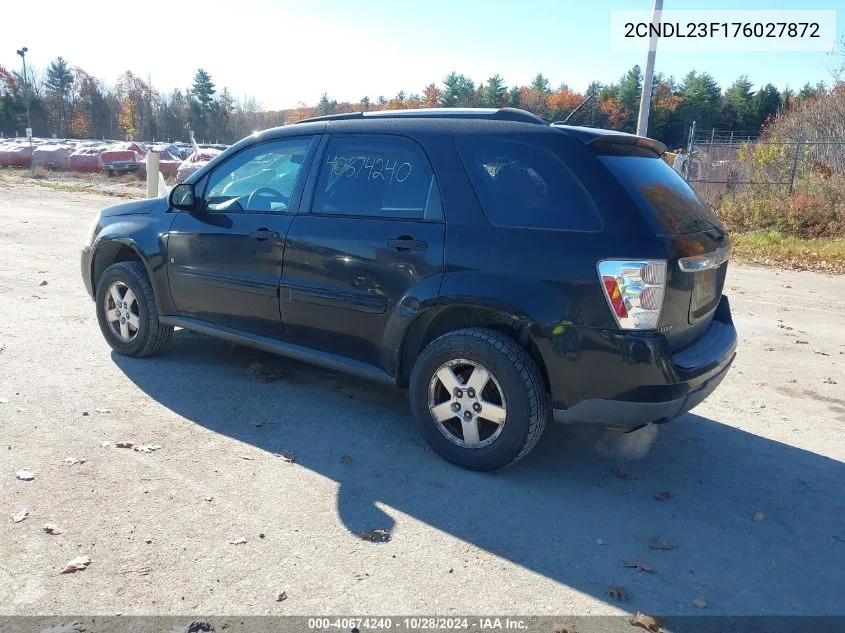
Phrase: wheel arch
x=110 y=251
x=451 y=317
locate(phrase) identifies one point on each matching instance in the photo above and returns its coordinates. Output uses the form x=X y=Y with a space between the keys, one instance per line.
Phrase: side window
x=260 y=178
x=527 y=186
x=375 y=176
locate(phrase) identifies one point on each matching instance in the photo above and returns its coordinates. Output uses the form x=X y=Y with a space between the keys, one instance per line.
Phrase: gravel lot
x=546 y=537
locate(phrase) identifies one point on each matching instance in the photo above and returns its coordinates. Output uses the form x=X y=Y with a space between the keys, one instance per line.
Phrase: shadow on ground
x=562 y=512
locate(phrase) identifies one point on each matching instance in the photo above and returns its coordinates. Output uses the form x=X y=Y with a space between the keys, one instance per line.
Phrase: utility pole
x=645 y=98
x=22 y=52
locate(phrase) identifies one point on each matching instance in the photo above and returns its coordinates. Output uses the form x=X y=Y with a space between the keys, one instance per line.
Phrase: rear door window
x=376 y=176
x=669 y=204
x=522 y=185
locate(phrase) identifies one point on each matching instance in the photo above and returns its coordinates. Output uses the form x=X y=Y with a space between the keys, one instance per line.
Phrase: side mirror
x=182 y=197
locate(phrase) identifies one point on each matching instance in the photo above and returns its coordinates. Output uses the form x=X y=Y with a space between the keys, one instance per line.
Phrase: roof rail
x=494 y=114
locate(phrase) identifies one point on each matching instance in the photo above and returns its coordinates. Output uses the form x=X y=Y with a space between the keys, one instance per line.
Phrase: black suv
x=505 y=270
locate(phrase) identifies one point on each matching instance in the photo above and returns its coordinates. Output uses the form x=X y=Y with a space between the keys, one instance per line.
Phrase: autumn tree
x=431 y=96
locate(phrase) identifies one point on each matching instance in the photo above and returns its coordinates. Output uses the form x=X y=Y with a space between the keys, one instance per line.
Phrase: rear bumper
x=638 y=380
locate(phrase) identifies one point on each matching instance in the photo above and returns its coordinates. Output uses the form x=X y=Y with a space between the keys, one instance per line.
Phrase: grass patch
x=92 y=188
x=772 y=247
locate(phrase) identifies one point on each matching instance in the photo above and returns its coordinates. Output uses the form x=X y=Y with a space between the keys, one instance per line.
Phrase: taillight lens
x=634 y=291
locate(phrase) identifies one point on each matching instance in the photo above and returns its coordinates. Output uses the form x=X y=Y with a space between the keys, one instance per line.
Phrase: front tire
x=479 y=399
x=126 y=311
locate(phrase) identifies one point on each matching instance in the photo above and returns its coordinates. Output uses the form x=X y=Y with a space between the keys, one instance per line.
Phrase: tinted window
x=526 y=186
x=374 y=176
x=668 y=202
x=261 y=178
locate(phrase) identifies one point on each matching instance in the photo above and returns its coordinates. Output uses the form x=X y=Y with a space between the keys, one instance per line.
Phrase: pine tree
x=58 y=82
x=541 y=84
x=494 y=93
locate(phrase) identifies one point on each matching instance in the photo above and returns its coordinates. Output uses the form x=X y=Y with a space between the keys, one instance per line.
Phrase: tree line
x=67 y=101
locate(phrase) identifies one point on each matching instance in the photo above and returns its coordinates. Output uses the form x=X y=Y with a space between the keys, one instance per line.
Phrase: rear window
x=669 y=204
x=527 y=186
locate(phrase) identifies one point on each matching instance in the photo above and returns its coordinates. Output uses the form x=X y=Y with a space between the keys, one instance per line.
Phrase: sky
x=283 y=52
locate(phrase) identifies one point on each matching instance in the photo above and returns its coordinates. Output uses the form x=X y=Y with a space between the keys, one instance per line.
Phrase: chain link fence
x=717 y=163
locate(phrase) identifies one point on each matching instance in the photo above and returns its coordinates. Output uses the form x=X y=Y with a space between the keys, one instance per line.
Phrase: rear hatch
x=691 y=233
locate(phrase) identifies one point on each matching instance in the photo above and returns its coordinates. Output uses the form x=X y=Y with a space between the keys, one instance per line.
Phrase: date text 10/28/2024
x=359 y=625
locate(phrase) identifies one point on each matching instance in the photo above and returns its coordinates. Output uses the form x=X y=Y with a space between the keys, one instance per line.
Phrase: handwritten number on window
x=373 y=168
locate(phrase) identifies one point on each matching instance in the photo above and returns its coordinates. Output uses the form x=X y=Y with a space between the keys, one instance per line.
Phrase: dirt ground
x=748 y=488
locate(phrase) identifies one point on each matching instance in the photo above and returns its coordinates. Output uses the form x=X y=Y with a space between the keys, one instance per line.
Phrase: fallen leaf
x=124 y=444
x=647 y=622
x=800 y=342
x=271 y=375
x=345 y=459
x=147 y=448
x=265 y=374
x=699 y=602
x=638 y=565
x=758 y=516
x=247 y=457
x=20 y=516
x=238 y=541
x=66 y=627
x=282 y=596
x=663 y=496
x=24 y=475
x=288 y=456
x=658 y=542
x=616 y=593
x=77 y=564
x=621 y=473
x=375 y=536
x=72 y=461
x=52 y=528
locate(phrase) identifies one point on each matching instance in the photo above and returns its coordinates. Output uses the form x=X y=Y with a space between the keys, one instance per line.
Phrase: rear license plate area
x=705 y=293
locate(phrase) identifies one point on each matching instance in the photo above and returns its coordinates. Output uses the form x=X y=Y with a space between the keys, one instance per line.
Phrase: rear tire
x=484 y=428
x=127 y=313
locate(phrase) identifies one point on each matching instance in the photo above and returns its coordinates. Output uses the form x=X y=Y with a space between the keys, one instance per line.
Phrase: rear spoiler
x=611 y=142
x=619 y=143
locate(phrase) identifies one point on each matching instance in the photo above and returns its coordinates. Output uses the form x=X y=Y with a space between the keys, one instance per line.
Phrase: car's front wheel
x=127 y=313
x=479 y=399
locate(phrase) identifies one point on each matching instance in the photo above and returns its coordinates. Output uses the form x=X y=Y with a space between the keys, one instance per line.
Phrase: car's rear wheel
x=479 y=399
x=127 y=313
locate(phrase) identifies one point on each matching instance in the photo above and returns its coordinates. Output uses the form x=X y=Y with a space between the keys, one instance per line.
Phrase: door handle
x=406 y=244
x=262 y=235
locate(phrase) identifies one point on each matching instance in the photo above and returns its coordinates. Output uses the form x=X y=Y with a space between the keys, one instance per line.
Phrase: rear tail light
x=634 y=291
